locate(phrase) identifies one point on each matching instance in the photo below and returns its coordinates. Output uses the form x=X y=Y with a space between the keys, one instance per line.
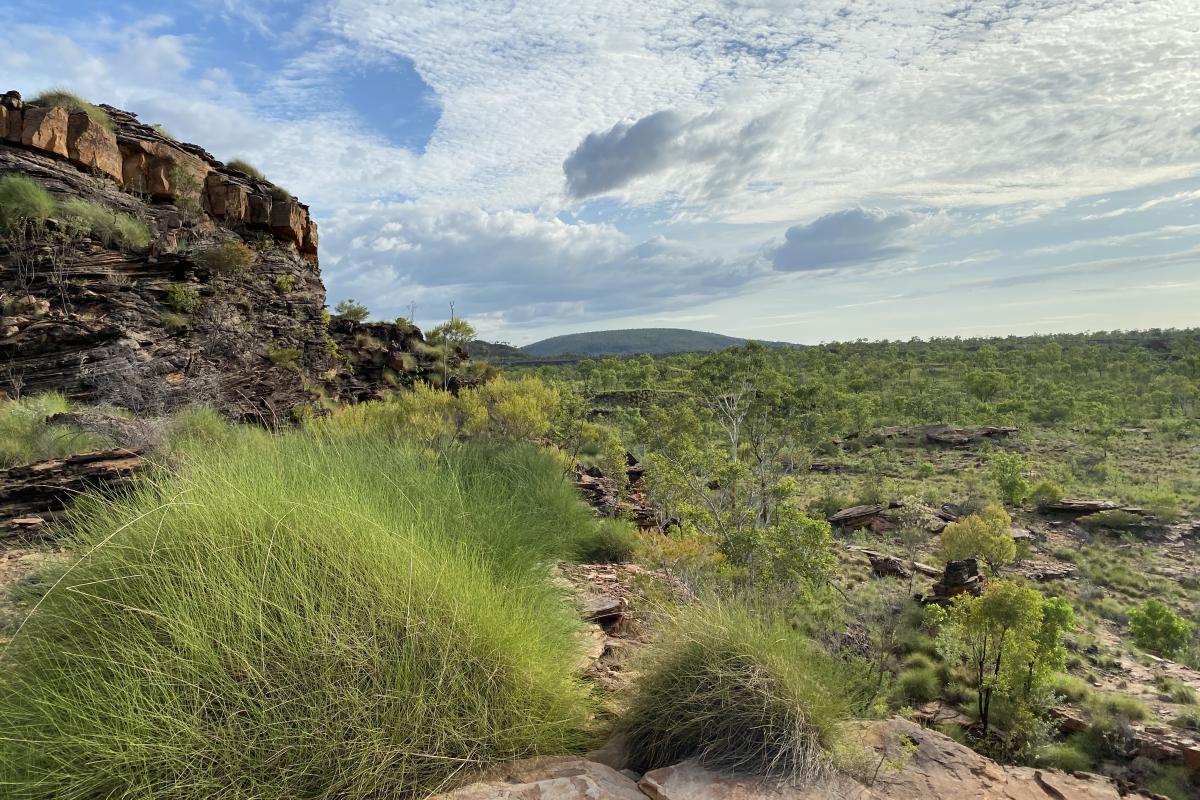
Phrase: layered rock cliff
x=225 y=306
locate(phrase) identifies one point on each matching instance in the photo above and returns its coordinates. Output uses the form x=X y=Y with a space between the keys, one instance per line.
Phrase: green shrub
x=301 y=616
x=918 y=685
x=113 y=228
x=285 y=283
x=918 y=661
x=1008 y=471
x=1115 y=520
x=1045 y=491
x=351 y=310
x=174 y=322
x=737 y=693
x=612 y=541
x=986 y=535
x=226 y=257
x=1158 y=629
x=73 y=102
x=1065 y=757
x=23 y=200
x=183 y=298
x=25 y=437
x=286 y=357
x=1174 y=691
x=241 y=165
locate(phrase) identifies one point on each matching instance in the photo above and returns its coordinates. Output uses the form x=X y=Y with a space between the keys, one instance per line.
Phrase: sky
x=790 y=170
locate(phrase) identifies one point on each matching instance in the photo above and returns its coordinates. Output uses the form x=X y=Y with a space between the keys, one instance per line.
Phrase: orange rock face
x=227 y=200
x=91 y=145
x=45 y=127
x=288 y=221
x=10 y=123
x=162 y=170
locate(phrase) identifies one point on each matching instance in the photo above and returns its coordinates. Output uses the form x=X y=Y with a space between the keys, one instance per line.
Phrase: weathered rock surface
x=864 y=516
x=921 y=764
x=889 y=566
x=622 y=496
x=550 y=779
x=100 y=324
x=959 y=577
x=33 y=494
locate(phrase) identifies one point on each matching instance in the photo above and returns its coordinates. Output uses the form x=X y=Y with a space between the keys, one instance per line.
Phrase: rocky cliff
x=224 y=305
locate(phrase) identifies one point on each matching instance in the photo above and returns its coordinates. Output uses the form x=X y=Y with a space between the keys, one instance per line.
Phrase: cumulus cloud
x=848 y=238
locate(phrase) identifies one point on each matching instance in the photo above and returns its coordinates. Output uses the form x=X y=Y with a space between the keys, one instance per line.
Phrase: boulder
x=884 y=565
x=259 y=211
x=550 y=779
x=227 y=200
x=959 y=577
x=288 y=221
x=864 y=516
x=40 y=491
x=11 y=117
x=93 y=146
x=1076 y=506
x=309 y=246
x=162 y=170
x=45 y=128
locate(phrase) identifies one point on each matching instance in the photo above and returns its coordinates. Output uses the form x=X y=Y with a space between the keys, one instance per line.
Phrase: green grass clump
x=183 y=298
x=25 y=437
x=1069 y=686
x=241 y=165
x=1188 y=719
x=612 y=541
x=918 y=685
x=1064 y=756
x=23 y=200
x=1174 y=691
x=737 y=693
x=1175 y=782
x=301 y=616
x=286 y=357
x=73 y=102
x=1102 y=705
x=227 y=257
x=113 y=228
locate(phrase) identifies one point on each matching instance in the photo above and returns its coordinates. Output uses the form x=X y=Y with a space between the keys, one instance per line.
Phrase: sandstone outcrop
x=158 y=328
x=32 y=495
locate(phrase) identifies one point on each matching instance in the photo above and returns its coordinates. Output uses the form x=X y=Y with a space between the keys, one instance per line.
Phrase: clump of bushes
x=986 y=535
x=251 y=627
x=918 y=684
x=22 y=201
x=113 y=228
x=227 y=257
x=182 y=298
x=241 y=165
x=73 y=102
x=1102 y=706
x=1069 y=686
x=285 y=283
x=1158 y=629
x=738 y=693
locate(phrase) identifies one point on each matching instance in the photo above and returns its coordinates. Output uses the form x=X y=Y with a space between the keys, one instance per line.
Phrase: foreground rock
x=31 y=496
x=915 y=763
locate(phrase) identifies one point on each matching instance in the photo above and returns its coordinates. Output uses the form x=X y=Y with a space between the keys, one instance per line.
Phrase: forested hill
x=634 y=341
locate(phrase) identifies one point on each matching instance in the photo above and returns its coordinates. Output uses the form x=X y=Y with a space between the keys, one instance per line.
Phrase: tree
x=994 y=636
x=352 y=310
x=445 y=340
x=1008 y=471
x=1155 y=627
x=986 y=535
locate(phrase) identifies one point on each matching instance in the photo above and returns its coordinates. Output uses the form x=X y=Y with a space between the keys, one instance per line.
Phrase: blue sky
x=798 y=171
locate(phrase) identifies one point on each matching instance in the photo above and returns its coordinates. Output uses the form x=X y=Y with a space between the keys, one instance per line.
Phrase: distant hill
x=634 y=341
x=495 y=352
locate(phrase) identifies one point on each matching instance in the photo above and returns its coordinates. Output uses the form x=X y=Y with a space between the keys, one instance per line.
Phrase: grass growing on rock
x=25 y=436
x=73 y=102
x=23 y=200
x=242 y=165
x=740 y=694
x=304 y=615
x=113 y=228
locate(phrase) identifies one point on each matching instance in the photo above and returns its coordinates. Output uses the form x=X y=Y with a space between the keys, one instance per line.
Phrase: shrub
x=286 y=357
x=611 y=541
x=285 y=283
x=1074 y=689
x=351 y=310
x=226 y=257
x=986 y=535
x=73 y=102
x=1171 y=781
x=918 y=661
x=241 y=165
x=1065 y=757
x=1045 y=491
x=919 y=685
x=174 y=322
x=1008 y=471
x=254 y=628
x=737 y=693
x=1111 y=520
x=1188 y=719
x=183 y=298
x=22 y=200
x=1158 y=629
x=113 y=228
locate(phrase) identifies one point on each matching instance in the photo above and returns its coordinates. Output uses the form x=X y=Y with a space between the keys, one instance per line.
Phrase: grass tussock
x=73 y=102
x=25 y=436
x=301 y=616
x=740 y=694
x=242 y=165
x=113 y=228
x=23 y=200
